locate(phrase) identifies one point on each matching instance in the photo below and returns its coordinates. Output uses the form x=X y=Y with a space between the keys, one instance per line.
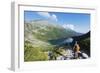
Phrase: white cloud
x=44 y=14
x=68 y=26
x=54 y=17
x=47 y=15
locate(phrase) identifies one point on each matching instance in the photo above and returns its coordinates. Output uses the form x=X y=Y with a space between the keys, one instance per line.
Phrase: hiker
x=77 y=53
x=76 y=50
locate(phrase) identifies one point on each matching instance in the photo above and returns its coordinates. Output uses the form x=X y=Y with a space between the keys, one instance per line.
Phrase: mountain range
x=43 y=31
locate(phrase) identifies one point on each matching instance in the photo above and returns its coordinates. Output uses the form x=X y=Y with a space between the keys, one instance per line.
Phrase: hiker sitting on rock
x=77 y=53
x=76 y=50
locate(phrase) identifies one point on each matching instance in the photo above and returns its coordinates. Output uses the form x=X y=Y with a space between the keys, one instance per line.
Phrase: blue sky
x=78 y=22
